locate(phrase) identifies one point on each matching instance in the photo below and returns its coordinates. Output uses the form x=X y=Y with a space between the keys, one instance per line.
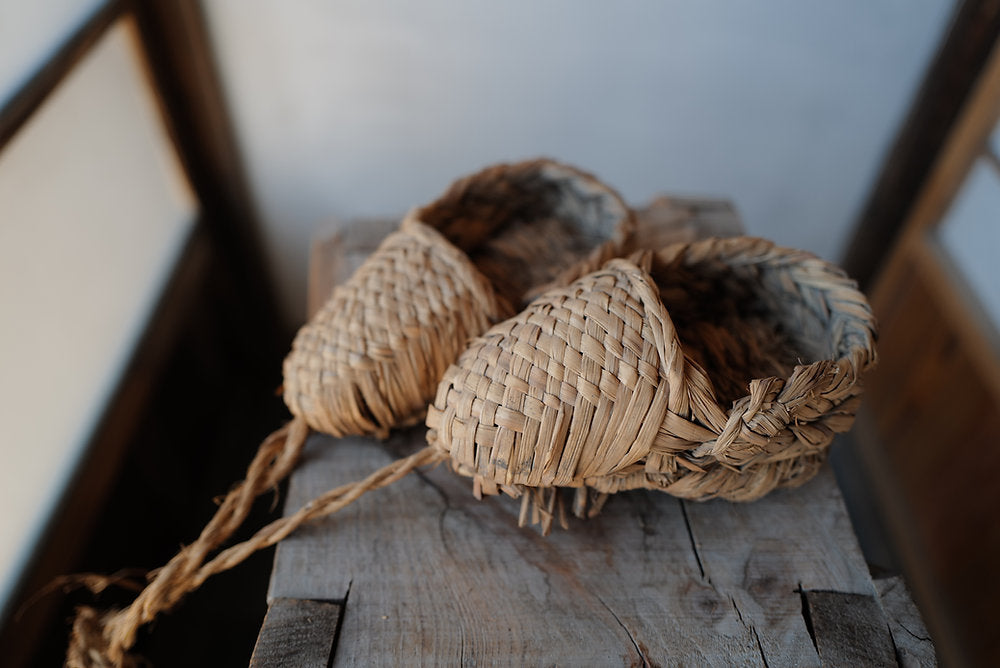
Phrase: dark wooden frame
x=933 y=403
x=957 y=65
x=225 y=241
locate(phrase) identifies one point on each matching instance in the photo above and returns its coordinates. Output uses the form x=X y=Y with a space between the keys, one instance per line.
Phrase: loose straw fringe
x=102 y=640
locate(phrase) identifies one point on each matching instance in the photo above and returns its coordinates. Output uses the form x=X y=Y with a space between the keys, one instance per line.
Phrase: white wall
x=368 y=107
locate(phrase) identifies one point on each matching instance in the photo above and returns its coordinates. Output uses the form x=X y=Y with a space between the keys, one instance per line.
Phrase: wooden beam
x=849 y=629
x=298 y=633
x=178 y=47
x=950 y=78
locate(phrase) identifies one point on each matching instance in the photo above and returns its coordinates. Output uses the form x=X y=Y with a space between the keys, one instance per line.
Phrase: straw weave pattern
x=718 y=368
x=596 y=386
x=371 y=358
x=379 y=344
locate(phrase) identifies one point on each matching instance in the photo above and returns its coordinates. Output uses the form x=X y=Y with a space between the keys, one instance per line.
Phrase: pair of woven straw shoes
x=547 y=351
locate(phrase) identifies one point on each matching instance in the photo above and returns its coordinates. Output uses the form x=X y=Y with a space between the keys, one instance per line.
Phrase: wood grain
x=297 y=633
x=431 y=573
x=849 y=629
x=913 y=643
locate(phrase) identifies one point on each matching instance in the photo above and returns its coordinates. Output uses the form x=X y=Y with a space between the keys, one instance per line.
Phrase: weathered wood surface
x=429 y=575
x=914 y=647
x=849 y=629
x=298 y=633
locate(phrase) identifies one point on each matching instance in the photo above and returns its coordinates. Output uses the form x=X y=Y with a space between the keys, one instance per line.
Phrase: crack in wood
x=849 y=628
x=645 y=527
x=737 y=609
x=895 y=647
x=753 y=629
x=638 y=648
x=912 y=634
x=340 y=624
x=694 y=543
x=446 y=500
x=807 y=616
x=433 y=485
x=760 y=646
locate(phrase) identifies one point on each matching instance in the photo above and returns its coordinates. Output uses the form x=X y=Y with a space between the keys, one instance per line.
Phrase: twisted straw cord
x=326 y=504
x=108 y=637
x=105 y=640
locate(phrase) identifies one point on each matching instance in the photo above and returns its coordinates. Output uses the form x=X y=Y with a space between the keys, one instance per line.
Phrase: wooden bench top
x=421 y=572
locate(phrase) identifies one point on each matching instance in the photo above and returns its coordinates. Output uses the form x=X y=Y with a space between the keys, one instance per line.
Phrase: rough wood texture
x=432 y=575
x=430 y=572
x=914 y=647
x=297 y=633
x=849 y=629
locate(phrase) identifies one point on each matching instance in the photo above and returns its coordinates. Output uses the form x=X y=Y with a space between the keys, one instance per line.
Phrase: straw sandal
x=371 y=358
x=721 y=367
x=637 y=376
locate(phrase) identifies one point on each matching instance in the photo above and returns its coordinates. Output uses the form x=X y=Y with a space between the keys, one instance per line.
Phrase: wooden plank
x=438 y=577
x=297 y=633
x=671 y=219
x=336 y=255
x=914 y=646
x=762 y=555
x=849 y=629
x=433 y=573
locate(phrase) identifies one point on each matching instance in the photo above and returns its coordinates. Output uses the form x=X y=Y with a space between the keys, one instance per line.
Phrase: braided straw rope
x=371 y=358
x=635 y=376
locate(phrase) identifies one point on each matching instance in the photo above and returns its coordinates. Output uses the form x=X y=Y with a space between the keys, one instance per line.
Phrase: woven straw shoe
x=371 y=358
x=719 y=368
